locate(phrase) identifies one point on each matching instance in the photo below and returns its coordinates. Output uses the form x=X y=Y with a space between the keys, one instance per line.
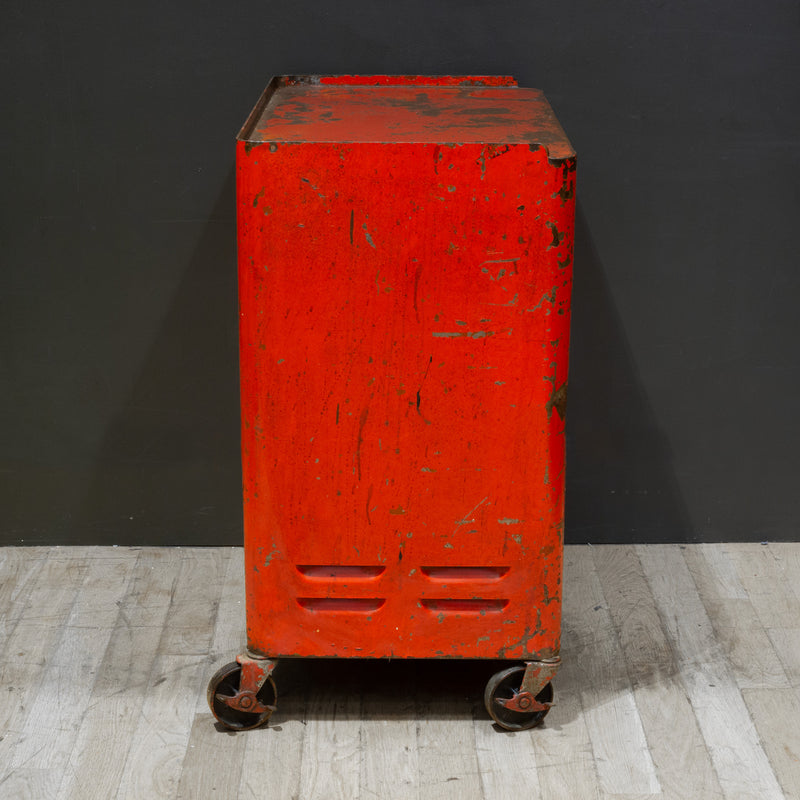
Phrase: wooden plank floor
x=681 y=679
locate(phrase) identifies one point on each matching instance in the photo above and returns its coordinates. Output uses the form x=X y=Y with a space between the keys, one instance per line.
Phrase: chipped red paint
x=297 y=111
x=405 y=275
x=418 y=80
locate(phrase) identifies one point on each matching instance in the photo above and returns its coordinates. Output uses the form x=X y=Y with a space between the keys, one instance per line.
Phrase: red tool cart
x=405 y=265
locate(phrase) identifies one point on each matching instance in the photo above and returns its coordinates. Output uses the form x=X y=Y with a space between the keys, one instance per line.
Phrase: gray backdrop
x=118 y=371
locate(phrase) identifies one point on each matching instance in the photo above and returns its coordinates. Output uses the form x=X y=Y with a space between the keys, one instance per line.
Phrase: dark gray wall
x=118 y=382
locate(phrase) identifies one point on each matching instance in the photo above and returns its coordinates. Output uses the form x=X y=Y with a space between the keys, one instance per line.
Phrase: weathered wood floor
x=681 y=679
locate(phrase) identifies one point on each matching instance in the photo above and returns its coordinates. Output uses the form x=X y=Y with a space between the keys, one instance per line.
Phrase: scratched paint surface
x=413 y=114
x=404 y=324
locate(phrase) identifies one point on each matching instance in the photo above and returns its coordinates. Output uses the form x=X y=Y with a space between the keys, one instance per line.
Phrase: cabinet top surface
x=309 y=110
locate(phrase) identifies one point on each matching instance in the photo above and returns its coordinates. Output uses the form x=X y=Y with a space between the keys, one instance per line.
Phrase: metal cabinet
x=405 y=265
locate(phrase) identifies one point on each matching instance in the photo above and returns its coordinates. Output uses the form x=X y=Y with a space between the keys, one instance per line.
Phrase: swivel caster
x=510 y=706
x=242 y=694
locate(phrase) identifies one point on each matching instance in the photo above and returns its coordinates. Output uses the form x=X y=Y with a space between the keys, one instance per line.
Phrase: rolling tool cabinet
x=405 y=265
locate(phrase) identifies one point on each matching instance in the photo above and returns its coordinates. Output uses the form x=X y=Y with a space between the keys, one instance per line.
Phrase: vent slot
x=450 y=606
x=339 y=572
x=449 y=574
x=358 y=605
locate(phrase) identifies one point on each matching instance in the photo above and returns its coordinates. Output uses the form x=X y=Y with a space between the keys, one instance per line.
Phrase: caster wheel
x=504 y=686
x=224 y=687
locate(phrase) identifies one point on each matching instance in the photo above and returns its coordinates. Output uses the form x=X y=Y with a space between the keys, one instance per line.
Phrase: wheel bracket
x=254 y=674
x=524 y=702
x=537 y=675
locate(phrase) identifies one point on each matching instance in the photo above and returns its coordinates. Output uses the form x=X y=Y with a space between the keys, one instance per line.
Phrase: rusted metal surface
x=405 y=267
x=254 y=673
x=536 y=676
x=526 y=703
x=403 y=80
x=460 y=112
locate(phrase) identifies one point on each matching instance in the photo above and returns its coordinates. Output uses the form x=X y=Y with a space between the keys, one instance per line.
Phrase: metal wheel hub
x=242 y=694
x=516 y=699
x=244 y=701
x=524 y=702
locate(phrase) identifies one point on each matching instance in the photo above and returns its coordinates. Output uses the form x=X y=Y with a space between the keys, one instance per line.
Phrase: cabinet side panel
x=404 y=338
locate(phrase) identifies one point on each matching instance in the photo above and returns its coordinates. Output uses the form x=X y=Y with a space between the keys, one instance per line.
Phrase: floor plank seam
x=648 y=629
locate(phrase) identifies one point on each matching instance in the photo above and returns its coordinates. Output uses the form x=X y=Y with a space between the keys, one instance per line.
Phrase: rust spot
x=547 y=599
x=489 y=152
x=248 y=146
x=566 y=192
x=557 y=237
x=525 y=640
x=558 y=401
x=570 y=165
x=274 y=552
x=493 y=151
x=549 y=296
x=421 y=103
